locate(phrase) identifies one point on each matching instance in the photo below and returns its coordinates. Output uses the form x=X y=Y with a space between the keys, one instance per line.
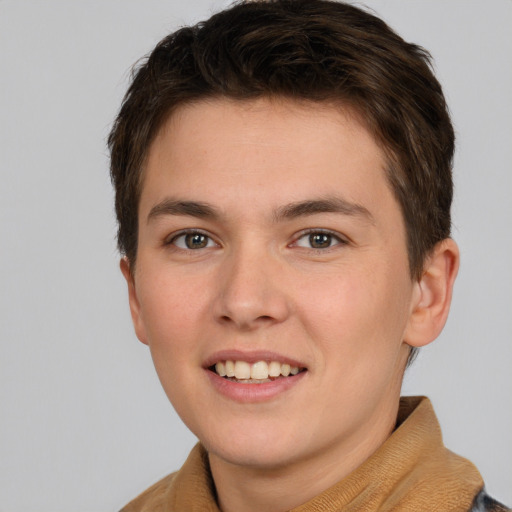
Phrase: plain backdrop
x=84 y=425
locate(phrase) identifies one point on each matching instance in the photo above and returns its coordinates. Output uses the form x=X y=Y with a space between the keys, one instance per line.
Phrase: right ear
x=135 y=309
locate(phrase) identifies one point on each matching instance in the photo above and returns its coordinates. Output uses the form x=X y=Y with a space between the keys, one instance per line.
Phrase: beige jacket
x=411 y=472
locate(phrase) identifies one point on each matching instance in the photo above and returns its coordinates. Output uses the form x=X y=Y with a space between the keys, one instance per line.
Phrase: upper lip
x=250 y=356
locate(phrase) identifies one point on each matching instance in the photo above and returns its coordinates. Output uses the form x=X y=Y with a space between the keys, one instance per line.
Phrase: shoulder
x=153 y=498
x=189 y=489
x=484 y=503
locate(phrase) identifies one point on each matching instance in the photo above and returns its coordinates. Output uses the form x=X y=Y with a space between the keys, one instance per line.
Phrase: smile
x=253 y=376
x=255 y=373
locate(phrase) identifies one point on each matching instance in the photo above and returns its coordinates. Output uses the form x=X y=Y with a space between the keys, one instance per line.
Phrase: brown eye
x=196 y=241
x=193 y=240
x=320 y=240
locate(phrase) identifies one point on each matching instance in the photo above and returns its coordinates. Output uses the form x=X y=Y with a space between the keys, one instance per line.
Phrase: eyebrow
x=188 y=208
x=290 y=211
x=332 y=204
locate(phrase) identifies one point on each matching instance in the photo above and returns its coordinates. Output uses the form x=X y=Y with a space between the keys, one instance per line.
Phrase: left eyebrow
x=324 y=205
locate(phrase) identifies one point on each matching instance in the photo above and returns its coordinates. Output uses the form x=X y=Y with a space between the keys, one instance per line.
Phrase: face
x=270 y=242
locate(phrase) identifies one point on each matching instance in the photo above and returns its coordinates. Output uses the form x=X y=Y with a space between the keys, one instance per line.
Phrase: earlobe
x=433 y=294
x=135 y=309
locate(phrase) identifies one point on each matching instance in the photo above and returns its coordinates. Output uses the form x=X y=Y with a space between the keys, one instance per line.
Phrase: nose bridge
x=251 y=292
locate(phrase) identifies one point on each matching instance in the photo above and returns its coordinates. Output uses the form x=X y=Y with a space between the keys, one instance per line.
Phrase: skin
x=348 y=312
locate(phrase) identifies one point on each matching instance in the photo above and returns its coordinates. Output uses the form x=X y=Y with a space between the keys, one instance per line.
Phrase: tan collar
x=411 y=472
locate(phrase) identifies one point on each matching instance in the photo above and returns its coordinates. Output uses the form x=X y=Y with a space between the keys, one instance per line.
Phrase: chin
x=252 y=457
x=254 y=447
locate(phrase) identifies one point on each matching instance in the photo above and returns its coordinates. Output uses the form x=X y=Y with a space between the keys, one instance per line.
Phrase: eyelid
x=170 y=239
x=341 y=240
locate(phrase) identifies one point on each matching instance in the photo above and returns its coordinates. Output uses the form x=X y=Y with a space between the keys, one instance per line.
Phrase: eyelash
x=334 y=241
x=195 y=232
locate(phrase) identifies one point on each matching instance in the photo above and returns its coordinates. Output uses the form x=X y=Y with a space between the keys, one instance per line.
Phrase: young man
x=283 y=190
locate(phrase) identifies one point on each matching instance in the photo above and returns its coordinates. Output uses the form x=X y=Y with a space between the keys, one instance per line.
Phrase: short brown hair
x=315 y=50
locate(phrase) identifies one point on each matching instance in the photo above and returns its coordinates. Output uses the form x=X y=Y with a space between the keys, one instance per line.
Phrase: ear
x=135 y=309
x=432 y=295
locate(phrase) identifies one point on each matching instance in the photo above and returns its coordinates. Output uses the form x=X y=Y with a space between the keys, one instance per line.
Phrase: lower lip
x=252 y=393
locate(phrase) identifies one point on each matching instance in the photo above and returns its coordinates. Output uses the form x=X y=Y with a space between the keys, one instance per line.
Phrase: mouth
x=260 y=372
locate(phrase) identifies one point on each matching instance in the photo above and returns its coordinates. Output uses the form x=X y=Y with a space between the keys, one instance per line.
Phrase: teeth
x=220 y=368
x=274 y=369
x=230 y=369
x=242 y=370
x=285 y=370
x=260 y=371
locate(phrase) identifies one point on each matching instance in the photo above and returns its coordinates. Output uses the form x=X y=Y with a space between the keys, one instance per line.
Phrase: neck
x=279 y=489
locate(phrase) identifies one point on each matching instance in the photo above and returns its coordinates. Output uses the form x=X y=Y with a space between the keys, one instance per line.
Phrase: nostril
x=251 y=310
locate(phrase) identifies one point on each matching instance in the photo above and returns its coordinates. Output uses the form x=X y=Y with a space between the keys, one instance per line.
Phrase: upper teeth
x=260 y=370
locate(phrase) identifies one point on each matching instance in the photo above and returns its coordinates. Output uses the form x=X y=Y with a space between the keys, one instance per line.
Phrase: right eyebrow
x=188 y=208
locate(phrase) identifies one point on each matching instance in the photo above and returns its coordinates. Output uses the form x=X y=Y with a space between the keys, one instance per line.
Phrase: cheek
x=171 y=310
x=172 y=319
x=355 y=315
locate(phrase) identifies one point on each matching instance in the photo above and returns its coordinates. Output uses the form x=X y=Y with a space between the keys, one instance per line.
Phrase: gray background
x=84 y=425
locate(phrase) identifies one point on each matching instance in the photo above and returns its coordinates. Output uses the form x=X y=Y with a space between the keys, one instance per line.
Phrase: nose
x=252 y=292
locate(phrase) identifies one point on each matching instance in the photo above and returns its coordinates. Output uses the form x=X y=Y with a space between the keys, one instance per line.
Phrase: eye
x=192 y=240
x=318 y=240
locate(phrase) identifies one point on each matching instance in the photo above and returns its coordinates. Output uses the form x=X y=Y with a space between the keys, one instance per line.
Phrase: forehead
x=252 y=153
